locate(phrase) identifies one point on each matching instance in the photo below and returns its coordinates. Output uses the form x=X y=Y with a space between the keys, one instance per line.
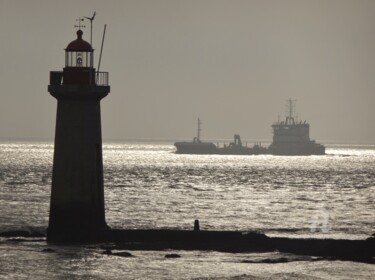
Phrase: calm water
x=148 y=186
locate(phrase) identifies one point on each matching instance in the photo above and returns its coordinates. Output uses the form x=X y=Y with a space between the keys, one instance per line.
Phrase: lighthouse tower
x=77 y=197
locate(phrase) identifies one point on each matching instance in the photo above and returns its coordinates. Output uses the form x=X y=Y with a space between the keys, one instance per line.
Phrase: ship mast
x=290 y=110
x=199 y=130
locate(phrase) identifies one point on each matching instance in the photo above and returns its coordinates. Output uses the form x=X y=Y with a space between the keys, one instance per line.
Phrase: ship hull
x=296 y=149
x=195 y=148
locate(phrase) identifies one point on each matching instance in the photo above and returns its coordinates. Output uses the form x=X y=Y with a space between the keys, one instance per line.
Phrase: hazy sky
x=231 y=63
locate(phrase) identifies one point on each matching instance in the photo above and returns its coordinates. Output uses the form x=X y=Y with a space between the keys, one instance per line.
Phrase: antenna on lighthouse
x=91 y=20
x=101 y=49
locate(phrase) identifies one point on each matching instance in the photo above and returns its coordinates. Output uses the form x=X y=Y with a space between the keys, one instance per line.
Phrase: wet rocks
x=48 y=250
x=123 y=254
x=172 y=256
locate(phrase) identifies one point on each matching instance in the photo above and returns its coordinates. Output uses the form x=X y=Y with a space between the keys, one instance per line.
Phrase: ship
x=197 y=146
x=291 y=137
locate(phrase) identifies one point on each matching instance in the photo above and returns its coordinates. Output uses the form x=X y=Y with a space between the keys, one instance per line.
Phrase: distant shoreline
x=327 y=143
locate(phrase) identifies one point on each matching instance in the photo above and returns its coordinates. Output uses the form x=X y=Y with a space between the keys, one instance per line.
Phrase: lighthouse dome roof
x=79 y=44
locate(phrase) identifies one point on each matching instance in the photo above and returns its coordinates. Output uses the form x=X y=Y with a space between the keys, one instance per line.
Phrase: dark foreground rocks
x=119 y=240
x=236 y=242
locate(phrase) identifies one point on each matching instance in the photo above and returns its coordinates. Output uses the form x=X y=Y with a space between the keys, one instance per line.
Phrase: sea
x=148 y=186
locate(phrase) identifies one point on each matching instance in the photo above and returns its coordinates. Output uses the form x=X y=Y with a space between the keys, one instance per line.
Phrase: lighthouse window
x=78 y=59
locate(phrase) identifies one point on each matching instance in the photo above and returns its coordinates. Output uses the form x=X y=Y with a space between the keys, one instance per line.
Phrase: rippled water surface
x=148 y=186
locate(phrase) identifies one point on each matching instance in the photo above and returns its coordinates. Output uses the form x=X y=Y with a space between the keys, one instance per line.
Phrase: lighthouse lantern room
x=79 y=60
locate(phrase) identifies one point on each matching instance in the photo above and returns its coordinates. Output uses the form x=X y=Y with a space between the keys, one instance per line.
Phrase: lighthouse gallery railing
x=101 y=78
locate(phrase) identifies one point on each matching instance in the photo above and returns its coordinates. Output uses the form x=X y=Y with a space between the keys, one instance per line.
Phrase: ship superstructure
x=291 y=137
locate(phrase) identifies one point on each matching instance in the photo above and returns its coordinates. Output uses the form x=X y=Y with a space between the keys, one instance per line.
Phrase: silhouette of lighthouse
x=77 y=196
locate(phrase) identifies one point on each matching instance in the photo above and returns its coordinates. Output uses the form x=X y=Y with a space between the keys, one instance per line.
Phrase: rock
x=48 y=250
x=107 y=252
x=172 y=256
x=123 y=254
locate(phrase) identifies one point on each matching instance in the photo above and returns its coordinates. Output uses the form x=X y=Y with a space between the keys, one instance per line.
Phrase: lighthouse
x=77 y=196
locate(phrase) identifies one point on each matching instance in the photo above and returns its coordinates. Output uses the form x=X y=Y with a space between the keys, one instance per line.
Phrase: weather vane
x=79 y=23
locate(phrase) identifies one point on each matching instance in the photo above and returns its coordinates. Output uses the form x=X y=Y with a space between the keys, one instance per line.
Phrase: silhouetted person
x=196 y=225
